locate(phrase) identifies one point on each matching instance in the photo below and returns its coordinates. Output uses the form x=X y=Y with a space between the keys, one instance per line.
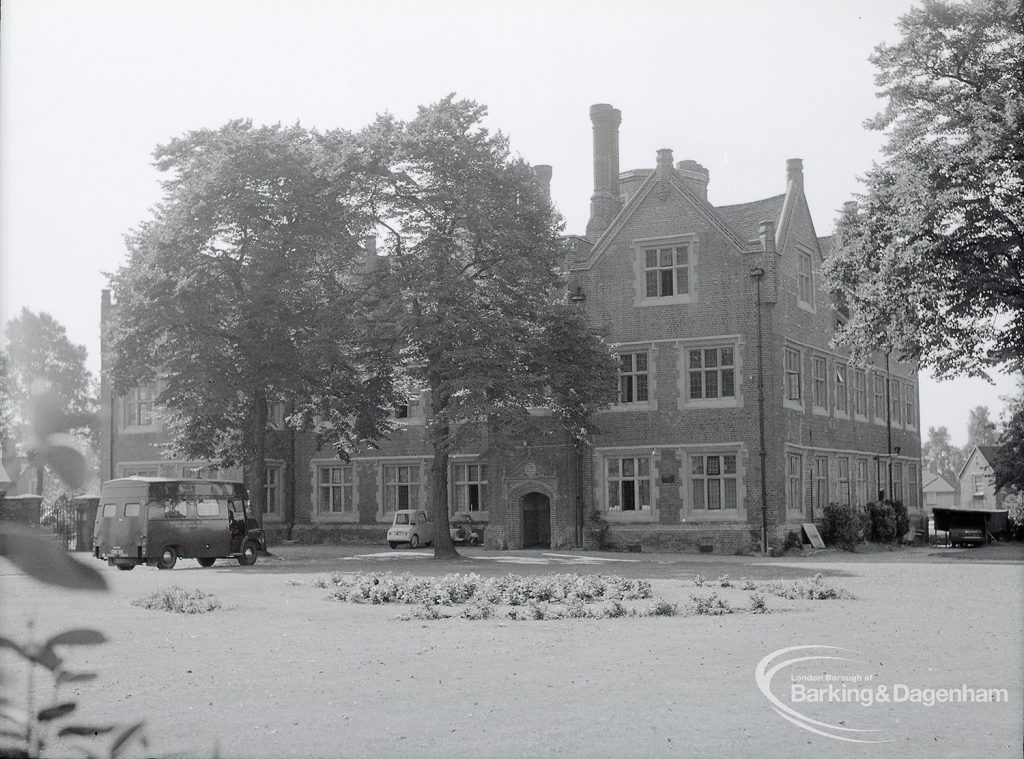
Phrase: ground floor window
x=912 y=487
x=843 y=480
x=714 y=481
x=401 y=486
x=897 y=482
x=335 y=485
x=629 y=483
x=820 y=484
x=272 y=492
x=862 y=482
x=469 y=483
x=794 y=482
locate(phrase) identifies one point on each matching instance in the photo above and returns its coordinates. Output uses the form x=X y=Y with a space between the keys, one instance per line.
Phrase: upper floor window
x=879 y=395
x=804 y=279
x=978 y=480
x=138 y=406
x=819 y=378
x=667 y=271
x=714 y=482
x=842 y=394
x=895 y=402
x=908 y=405
x=469 y=487
x=712 y=373
x=629 y=483
x=792 y=368
x=411 y=410
x=275 y=417
x=860 y=392
x=633 y=384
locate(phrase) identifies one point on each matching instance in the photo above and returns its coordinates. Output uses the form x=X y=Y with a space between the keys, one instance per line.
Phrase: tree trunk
x=439 y=438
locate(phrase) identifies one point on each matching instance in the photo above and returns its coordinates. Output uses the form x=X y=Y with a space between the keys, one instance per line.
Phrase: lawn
x=282 y=670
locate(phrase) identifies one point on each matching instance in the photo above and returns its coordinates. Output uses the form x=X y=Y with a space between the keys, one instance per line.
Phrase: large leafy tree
x=472 y=285
x=1009 y=463
x=940 y=455
x=238 y=293
x=47 y=391
x=931 y=257
x=981 y=430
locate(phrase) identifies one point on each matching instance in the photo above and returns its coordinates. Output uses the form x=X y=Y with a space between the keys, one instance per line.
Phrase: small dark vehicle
x=462 y=529
x=156 y=521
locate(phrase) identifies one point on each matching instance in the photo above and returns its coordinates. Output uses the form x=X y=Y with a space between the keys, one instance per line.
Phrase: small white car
x=412 y=527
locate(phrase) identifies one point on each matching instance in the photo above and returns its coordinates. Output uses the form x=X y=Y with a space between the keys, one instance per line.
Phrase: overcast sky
x=89 y=87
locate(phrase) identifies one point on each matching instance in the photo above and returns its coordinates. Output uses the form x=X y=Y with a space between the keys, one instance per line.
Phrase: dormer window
x=667 y=271
x=805 y=280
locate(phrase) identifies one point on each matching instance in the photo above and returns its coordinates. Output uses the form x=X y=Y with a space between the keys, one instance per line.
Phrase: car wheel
x=206 y=562
x=249 y=553
x=414 y=541
x=393 y=544
x=168 y=558
x=474 y=540
x=126 y=567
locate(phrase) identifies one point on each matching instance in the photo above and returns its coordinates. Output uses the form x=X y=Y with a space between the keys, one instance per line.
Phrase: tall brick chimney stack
x=605 y=203
x=543 y=174
x=795 y=172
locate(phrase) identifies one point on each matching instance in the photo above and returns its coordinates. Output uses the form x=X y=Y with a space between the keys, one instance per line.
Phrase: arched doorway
x=536 y=508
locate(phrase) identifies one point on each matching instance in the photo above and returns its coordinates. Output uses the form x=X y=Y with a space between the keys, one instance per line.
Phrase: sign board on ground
x=813 y=536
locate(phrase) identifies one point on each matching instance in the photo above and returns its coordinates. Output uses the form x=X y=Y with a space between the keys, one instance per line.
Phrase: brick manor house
x=734 y=411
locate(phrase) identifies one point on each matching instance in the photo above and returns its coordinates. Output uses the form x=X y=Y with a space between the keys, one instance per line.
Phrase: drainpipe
x=578 y=298
x=758 y=274
x=888 y=422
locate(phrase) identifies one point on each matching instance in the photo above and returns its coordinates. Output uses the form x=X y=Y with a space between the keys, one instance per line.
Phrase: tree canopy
x=238 y=293
x=473 y=283
x=931 y=257
x=940 y=455
x=45 y=375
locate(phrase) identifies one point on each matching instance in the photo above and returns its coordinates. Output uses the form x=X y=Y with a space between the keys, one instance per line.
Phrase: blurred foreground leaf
x=43 y=559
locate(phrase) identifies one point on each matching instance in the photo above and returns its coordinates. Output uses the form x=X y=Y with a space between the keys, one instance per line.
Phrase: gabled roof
x=739 y=228
x=989 y=452
x=931 y=479
x=746 y=218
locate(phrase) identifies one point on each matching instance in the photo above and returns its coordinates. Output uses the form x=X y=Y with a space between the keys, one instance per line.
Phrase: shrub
x=179 y=600
x=792 y=541
x=902 y=519
x=747 y=584
x=661 y=608
x=480 y=609
x=814 y=589
x=883 y=522
x=758 y=603
x=724 y=581
x=710 y=605
x=699 y=581
x=598 y=527
x=427 y=611
x=843 y=526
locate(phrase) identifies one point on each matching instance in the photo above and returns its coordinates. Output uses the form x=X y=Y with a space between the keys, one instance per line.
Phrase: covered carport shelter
x=990 y=522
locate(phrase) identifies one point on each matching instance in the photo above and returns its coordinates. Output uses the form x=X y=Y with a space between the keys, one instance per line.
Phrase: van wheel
x=393 y=544
x=206 y=562
x=249 y=553
x=414 y=541
x=168 y=558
